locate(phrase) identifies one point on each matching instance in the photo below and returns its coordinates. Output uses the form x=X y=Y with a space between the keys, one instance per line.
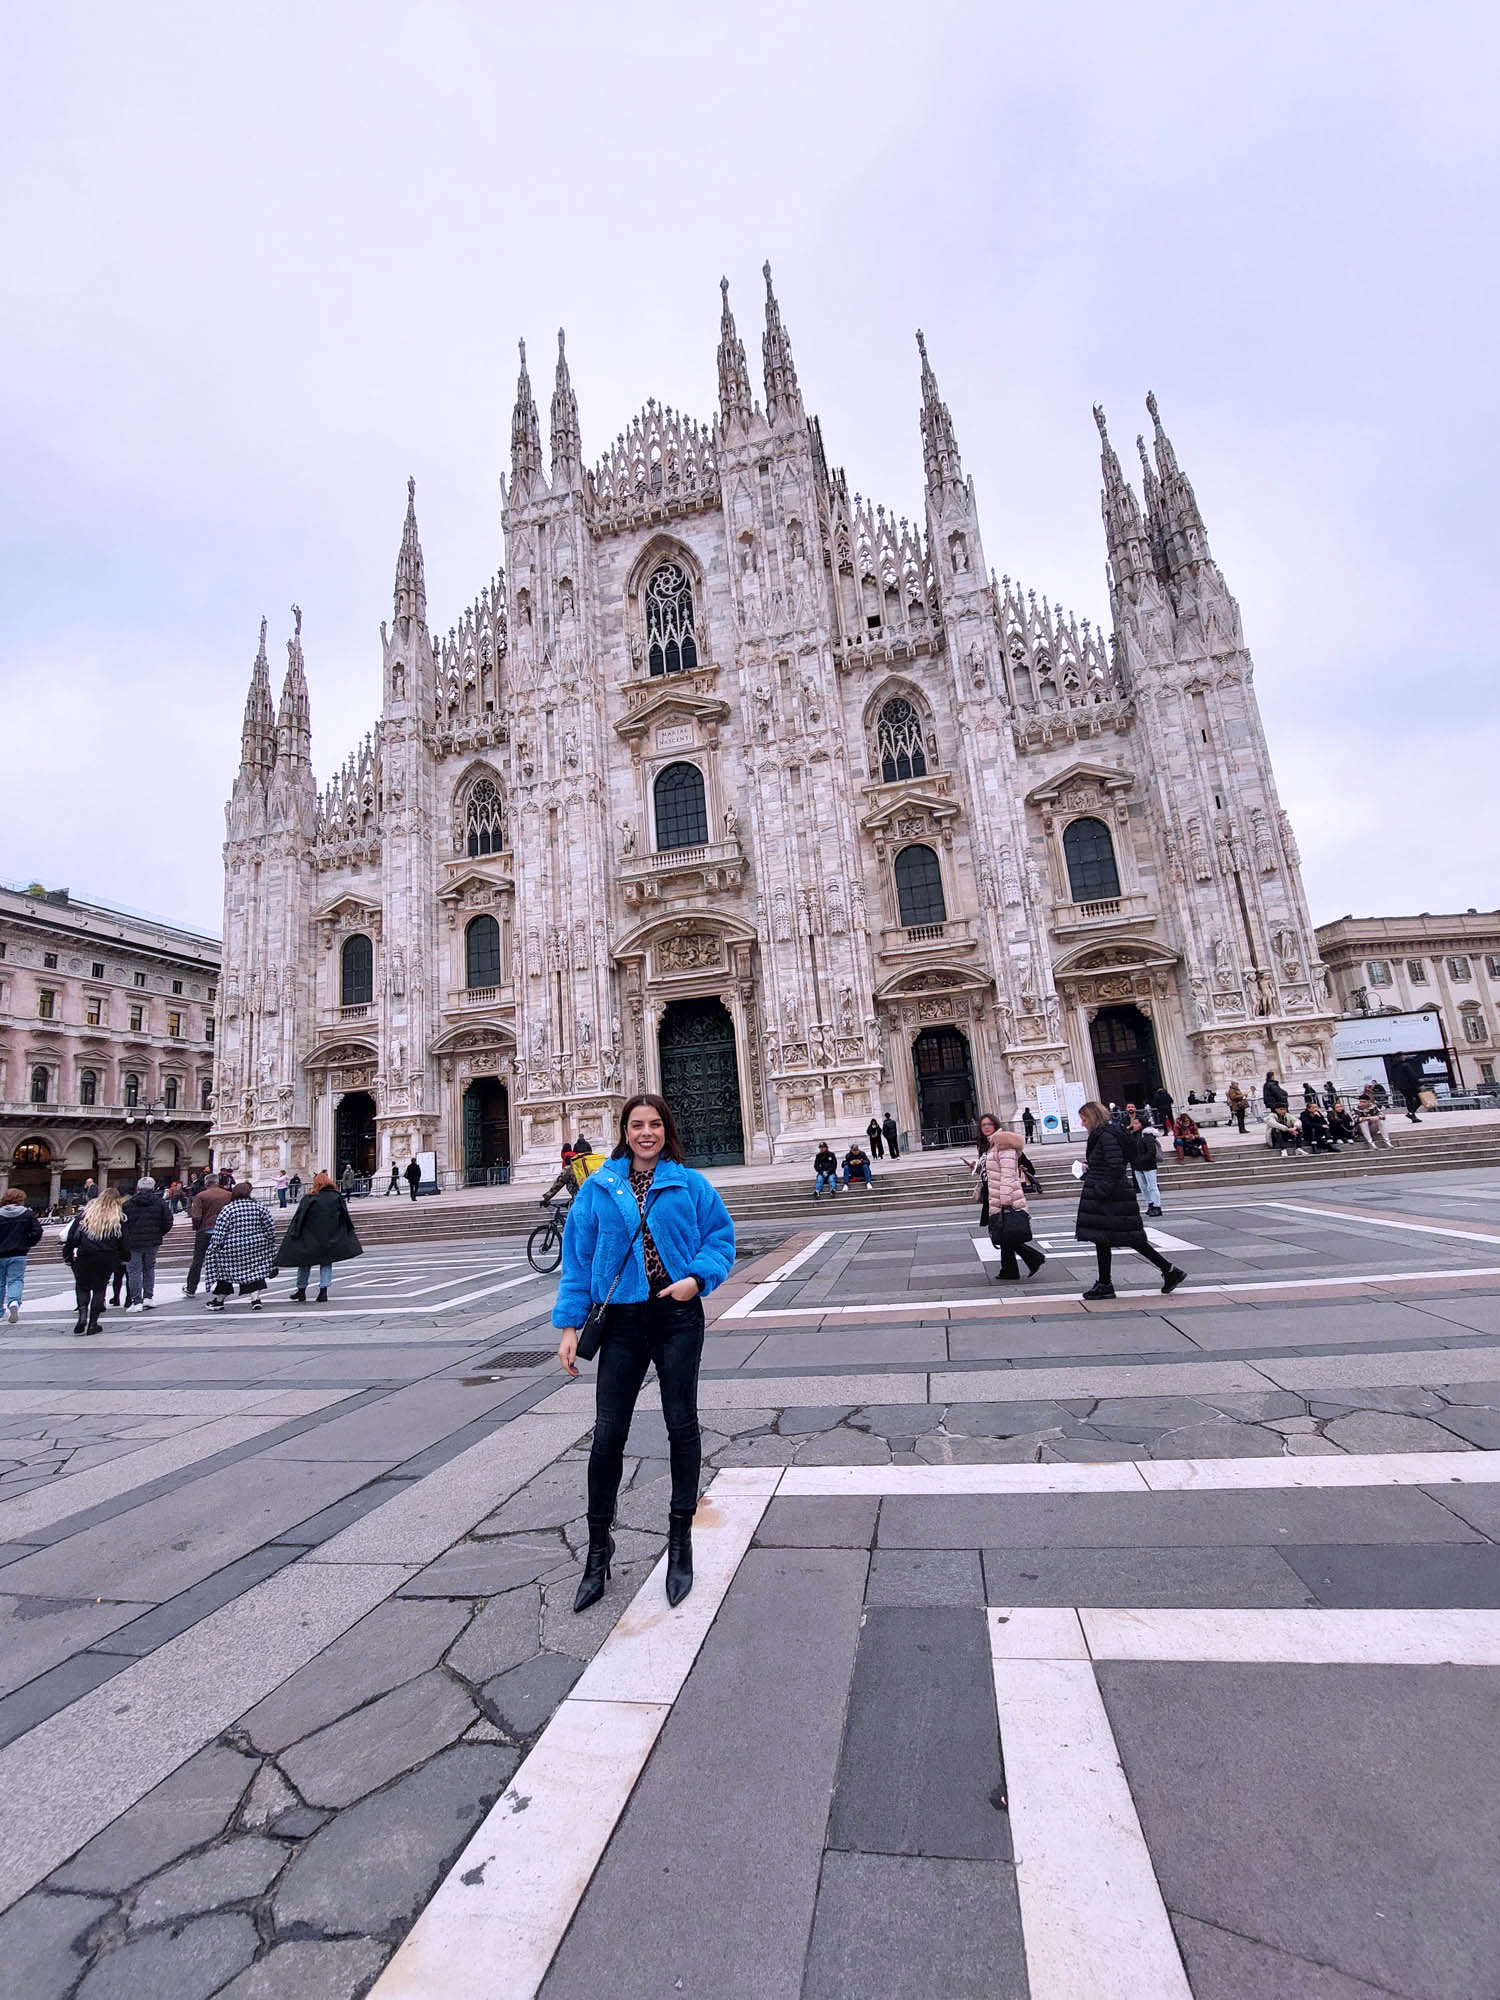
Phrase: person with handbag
x=646 y=1240
x=1008 y=1218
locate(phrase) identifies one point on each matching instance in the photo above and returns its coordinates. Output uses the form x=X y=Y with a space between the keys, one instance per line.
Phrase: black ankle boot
x=322 y=1298
x=300 y=1297
x=596 y=1565
x=679 y=1556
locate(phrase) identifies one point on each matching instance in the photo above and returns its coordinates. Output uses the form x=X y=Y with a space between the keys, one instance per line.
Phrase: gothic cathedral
x=732 y=785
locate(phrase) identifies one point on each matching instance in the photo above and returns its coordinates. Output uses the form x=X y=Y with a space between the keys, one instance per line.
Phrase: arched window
x=899 y=742
x=170 y=1091
x=130 y=1089
x=671 y=641
x=88 y=1086
x=1090 y=853
x=681 y=809
x=482 y=952
x=206 y=1094
x=357 y=972
x=919 y=887
x=485 y=818
x=39 y=1082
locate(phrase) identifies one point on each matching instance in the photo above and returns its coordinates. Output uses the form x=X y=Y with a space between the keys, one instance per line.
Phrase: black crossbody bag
x=591 y=1333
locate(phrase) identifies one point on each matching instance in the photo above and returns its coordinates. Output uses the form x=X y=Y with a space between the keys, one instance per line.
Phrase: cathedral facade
x=733 y=785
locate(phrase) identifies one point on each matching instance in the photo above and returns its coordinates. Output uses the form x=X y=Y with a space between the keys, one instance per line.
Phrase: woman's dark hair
x=671 y=1148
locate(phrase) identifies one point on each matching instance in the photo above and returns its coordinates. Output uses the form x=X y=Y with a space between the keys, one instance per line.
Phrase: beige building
x=1449 y=964
x=106 y=1044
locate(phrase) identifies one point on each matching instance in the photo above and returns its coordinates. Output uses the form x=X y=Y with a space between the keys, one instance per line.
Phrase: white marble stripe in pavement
x=1312 y=1637
x=65 y=1780
x=1092 y=1916
x=283 y=1307
x=1019 y=1306
x=1381 y=1223
x=63 y=1401
x=1156 y=1475
x=417 y=1525
x=71 y=1492
x=492 y=1928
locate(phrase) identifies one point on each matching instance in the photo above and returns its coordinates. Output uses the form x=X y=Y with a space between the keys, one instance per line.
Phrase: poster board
x=427 y=1165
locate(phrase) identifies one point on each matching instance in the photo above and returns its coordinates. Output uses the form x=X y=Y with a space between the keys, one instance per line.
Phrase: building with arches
x=733 y=783
x=107 y=1026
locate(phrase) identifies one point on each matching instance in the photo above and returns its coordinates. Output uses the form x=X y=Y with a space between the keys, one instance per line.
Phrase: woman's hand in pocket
x=684 y=1290
x=567 y=1349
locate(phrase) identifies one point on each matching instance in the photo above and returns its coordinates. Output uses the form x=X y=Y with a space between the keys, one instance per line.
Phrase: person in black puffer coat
x=148 y=1222
x=1108 y=1213
x=20 y=1233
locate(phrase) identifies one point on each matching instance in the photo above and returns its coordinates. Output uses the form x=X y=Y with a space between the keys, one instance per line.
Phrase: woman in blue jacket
x=661 y=1230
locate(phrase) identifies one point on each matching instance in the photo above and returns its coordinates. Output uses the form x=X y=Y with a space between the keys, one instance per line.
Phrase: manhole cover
x=522 y=1357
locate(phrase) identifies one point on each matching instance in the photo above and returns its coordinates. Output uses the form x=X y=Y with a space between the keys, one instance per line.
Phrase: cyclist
x=567 y=1181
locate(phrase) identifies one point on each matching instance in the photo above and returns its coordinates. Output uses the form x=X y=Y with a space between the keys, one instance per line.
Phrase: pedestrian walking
x=825 y=1170
x=392 y=1186
x=241 y=1250
x=148 y=1223
x=1008 y=1218
x=1407 y=1081
x=857 y=1167
x=209 y=1204
x=414 y=1177
x=989 y=1125
x=1147 y=1159
x=95 y=1251
x=875 y=1133
x=892 y=1136
x=1028 y=1124
x=646 y=1240
x=1238 y=1104
x=1161 y=1104
x=20 y=1233
x=322 y=1232
x=283 y=1187
x=1108 y=1214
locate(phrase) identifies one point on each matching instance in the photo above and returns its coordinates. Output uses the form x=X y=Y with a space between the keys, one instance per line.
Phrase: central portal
x=354 y=1133
x=486 y=1132
x=1125 y=1061
x=945 y=1087
x=700 y=1080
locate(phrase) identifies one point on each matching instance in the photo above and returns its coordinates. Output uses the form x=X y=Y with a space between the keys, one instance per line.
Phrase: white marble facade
x=731 y=781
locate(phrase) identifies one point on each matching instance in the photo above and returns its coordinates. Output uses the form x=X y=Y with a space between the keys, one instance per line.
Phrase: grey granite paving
x=910 y=1928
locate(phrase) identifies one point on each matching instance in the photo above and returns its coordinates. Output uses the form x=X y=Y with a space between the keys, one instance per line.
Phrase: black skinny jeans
x=88 y=1290
x=1140 y=1246
x=669 y=1333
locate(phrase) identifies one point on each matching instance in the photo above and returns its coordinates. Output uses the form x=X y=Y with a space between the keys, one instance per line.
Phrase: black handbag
x=591 y=1333
x=1009 y=1227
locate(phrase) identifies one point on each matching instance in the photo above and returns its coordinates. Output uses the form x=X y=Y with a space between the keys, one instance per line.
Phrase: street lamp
x=149 y=1113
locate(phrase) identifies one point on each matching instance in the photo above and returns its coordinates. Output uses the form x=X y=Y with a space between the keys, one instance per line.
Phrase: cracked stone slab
x=796 y=1422
x=505 y=1632
x=843 y=1447
x=186 y=1963
x=38 y=1938
x=1397 y=1402
x=944 y=1450
x=553 y=1497
x=486 y=1569
x=314 y=1969
x=1479 y=1427
x=1218 y=1440
x=375 y=1744
x=395 y=1643
x=234 y=1873
x=269 y=1796
x=523 y=1699
x=581 y=1634
x=194 y=1805
x=1375 y=1430
x=370 y=1869
x=1002 y=1420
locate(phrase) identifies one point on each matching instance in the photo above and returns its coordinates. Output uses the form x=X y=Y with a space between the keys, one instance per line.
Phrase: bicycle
x=544 y=1244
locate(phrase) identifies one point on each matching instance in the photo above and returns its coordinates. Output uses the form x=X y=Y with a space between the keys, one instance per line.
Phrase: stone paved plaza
x=1043 y=1649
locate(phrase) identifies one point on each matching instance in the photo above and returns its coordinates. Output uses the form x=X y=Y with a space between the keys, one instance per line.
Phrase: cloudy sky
x=261 y=263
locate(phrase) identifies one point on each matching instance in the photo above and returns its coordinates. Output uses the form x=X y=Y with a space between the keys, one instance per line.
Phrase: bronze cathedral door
x=700 y=1080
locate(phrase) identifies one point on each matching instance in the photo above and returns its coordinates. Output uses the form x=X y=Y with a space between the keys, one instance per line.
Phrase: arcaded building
x=107 y=1025
x=732 y=783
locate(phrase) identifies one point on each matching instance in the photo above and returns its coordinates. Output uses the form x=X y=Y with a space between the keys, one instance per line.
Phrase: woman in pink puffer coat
x=1002 y=1171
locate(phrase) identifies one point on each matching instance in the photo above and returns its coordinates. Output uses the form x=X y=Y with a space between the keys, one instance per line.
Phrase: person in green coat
x=319 y=1233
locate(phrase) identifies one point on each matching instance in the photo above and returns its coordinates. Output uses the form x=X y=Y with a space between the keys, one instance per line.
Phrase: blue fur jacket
x=689 y=1225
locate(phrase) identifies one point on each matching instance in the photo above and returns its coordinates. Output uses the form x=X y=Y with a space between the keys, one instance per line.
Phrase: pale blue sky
x=262 y=263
